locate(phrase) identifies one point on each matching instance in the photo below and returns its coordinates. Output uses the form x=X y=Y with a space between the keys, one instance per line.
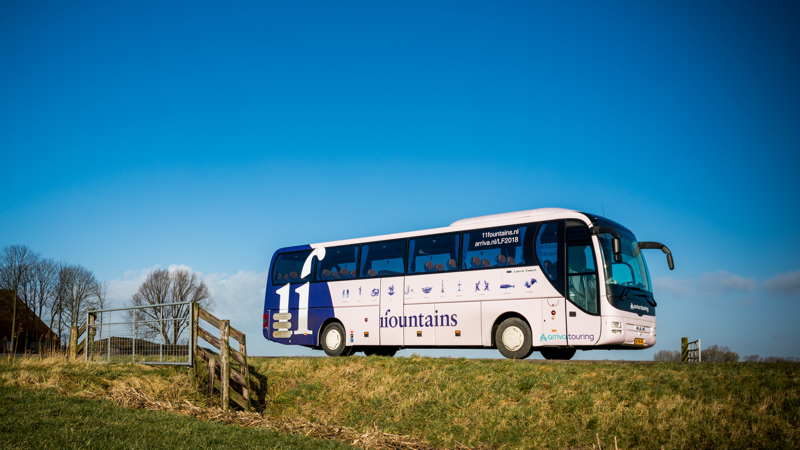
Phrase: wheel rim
x=513 y=338
x=333 y=339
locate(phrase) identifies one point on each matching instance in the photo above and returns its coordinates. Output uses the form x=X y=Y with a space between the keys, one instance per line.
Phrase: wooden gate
x=220 y=370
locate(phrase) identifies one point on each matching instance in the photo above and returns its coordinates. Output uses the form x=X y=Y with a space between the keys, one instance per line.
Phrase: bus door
x=554 y=326
x=391 y=294
x=549 y=248
x=583 y=305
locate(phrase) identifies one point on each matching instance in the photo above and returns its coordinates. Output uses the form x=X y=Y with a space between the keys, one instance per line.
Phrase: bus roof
x=531 y=215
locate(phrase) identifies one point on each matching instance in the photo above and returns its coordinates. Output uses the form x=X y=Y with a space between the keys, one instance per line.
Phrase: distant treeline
x=715 y=353
x=56 y=292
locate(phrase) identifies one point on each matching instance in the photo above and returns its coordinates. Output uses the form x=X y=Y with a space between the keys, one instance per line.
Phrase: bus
x=548 y=280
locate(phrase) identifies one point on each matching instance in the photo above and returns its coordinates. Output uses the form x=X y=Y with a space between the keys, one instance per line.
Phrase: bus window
x=340 y=263
x=288 y=267
x=547 y=249
x=582 y=277
x=383 y=259
x=433 y=254
x=495 y=247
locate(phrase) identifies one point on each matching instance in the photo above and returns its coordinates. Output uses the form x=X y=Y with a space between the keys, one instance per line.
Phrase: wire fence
x=152 y=334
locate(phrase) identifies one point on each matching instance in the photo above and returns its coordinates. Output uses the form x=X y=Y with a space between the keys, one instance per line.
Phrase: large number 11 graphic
x=302 y=291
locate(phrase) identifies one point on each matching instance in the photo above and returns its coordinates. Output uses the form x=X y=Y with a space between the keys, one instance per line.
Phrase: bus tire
x=513 y=338
x=334 y=341
x=564 y=354
x=530 y=352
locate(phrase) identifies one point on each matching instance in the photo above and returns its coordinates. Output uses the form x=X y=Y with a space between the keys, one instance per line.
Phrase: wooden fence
x=220 y=372
x=690 y=351
x=78 y=348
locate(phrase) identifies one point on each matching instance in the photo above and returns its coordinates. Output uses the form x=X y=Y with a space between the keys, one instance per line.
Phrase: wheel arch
x=324 y=324
x=501 y=318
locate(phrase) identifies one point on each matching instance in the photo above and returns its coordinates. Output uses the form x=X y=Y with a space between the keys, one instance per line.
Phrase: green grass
x=512 y=404
x=501 y=403
x=46 y=419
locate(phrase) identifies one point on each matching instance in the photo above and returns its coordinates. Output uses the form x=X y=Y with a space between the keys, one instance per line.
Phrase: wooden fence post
x=245 y=372
x=195 y=322
x=225 y=355
x=685 y=349
x=73 y=343
x=90 y=332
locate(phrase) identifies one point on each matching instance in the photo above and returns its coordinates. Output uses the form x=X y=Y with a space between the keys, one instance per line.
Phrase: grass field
x=487 y=403
x=514 y=404
x=46 y=419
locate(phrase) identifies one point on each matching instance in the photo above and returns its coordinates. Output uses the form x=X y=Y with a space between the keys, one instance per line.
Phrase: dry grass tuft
x=373 y=440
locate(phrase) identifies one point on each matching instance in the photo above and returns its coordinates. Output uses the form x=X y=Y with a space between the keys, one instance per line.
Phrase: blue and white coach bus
x=548 y=280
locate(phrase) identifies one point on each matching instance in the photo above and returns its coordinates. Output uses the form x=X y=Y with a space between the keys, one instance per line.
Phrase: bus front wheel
x=557 y=353
x=513 y=338
x=334 y=341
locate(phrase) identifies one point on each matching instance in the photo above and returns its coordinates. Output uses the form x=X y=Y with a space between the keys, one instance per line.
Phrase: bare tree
x=101 y=295
x=164 y=287
x=16 y=262
x=715 y=353
x=667 y=355
x=44 y=279
x=77 y=286
x=56 y=304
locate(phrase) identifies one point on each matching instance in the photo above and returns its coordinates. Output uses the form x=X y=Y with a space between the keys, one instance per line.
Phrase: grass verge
x=47 y=419
x=426 y=402
x=514 y=404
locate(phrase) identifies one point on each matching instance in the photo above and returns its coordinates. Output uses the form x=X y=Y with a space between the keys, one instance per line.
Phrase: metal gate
x=152 y=334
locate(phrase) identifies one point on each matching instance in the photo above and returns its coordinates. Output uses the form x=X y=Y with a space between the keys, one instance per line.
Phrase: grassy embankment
x=514 y=404
x=51 y=404
x=504 y=404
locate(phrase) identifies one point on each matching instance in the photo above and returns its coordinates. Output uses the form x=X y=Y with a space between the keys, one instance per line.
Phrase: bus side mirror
x=616 y=244
x=617 y=249
x=662 y=247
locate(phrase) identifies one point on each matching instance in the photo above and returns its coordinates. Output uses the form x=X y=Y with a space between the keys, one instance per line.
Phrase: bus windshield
x=632 y=271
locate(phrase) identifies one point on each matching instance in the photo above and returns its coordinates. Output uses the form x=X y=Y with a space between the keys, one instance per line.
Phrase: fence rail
x=690 y=351
x=154 y=334
x=149 y=334
x=220 y=379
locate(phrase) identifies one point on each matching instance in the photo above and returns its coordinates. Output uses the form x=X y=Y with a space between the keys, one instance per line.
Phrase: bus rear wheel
x=334 y=341
x=380 y=351
x=557 y=353
x=513 y=338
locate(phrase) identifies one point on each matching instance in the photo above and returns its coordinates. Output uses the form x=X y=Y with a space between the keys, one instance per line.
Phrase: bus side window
x=495 y=247
x=340 y=263
x=547 y=249
x=383 y=259
x=432 y=253
x=582 y=277
x=289 y=266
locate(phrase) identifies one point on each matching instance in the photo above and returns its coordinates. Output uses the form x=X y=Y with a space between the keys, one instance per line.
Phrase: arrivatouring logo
x=643 y=308
x=561 y=337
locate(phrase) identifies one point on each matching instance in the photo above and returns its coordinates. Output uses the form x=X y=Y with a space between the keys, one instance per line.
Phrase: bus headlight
x=616 y=324
x=616 y=331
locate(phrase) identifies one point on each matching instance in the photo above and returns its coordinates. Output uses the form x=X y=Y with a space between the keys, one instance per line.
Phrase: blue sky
x=139 y=134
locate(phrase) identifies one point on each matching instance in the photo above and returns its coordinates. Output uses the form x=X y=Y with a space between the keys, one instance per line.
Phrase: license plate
x=638 y=341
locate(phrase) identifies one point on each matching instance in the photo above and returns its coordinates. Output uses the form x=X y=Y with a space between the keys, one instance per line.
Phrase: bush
x=715 y=353
x=667 y=355
x=771 y=359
